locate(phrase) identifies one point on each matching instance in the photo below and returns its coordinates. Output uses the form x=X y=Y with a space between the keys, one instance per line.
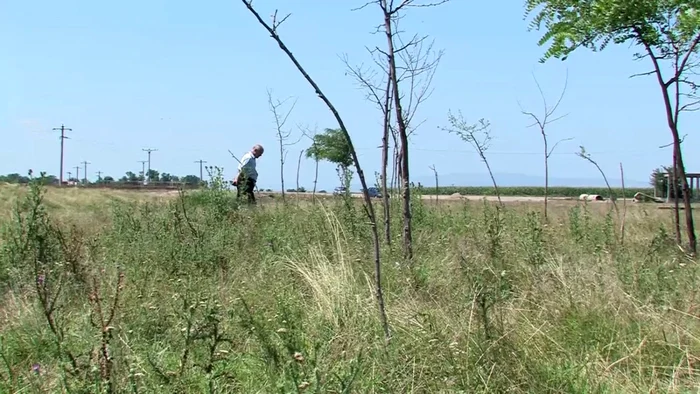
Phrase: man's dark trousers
x=246 y=186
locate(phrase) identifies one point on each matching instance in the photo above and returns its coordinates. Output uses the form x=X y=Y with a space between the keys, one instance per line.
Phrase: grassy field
x=508 y=191
x=107 y=291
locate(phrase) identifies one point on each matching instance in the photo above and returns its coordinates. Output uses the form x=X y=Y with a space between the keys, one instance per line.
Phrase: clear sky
x=190 y=80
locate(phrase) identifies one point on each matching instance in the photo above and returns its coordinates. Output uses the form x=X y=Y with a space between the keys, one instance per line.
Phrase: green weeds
x=201 y=294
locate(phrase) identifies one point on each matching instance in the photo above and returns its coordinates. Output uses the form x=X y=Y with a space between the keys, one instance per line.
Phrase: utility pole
x=69 y=173
x=149 y=150
x=77 y=175
x=63 y=130
x=201 y=173
x=85 y=180
x=143 y=169
x=99 y=175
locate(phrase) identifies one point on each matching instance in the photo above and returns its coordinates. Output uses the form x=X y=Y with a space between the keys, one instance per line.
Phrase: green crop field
x=116 y=291
x=533 y=191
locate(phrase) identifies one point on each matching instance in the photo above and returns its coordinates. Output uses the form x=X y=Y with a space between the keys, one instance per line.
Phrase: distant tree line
x=130 y=178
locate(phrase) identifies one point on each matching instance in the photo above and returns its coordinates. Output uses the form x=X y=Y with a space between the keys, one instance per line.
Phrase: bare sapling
x=369 y=207
x=301 y=153
x=587 y=156
x=541 y=122
x=104 y=314
x=478 y=135
x=410 y=68
x=380 y=96
x=624 y=206
x=437 y=189
x=283 y=134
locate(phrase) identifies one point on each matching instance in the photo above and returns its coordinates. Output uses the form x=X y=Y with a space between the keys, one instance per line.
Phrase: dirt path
x=452 y=197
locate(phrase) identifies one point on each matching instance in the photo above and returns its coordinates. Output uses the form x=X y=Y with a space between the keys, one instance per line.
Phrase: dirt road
x=453 y=197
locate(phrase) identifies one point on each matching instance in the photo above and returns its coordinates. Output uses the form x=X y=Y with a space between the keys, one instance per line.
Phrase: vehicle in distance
x=373 y=191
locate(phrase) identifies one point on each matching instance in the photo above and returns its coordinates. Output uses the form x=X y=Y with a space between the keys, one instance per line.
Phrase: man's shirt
x=247 y=166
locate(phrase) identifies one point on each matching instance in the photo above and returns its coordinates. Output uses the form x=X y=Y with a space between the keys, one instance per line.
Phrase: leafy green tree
x=659 y=181
x=332 y=146
x=153 y=175
x=166 y=177
x=129 y=177
x=191 y=180
x=667 y=32
x=14 y=178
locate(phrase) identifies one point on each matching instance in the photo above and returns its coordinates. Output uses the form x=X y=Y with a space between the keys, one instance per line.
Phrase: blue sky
x=191 y=80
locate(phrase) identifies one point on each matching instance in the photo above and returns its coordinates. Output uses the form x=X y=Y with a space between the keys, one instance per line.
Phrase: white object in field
x=591 y=197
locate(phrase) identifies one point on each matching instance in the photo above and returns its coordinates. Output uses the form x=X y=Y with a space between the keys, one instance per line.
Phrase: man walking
x=247 y=174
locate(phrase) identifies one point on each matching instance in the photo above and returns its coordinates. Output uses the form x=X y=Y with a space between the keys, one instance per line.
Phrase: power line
x=63 y=130
x=642 y=152
x=85 y=163
x=149 y=150
x=201 y=173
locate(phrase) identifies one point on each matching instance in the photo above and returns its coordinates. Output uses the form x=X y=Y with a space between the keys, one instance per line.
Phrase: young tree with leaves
x=667 y=33
x=478 y=135
x=332 y=146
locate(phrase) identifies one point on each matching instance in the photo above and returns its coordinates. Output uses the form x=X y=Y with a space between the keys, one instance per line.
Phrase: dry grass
x=495 y=301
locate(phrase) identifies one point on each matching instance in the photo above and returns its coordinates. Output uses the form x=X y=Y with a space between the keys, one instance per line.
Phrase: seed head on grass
x=298 y=357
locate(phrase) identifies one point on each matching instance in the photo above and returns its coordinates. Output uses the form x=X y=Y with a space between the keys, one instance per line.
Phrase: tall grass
x=197 y=294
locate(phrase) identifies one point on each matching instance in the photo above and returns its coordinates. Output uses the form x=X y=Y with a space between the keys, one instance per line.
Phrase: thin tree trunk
x=624 y=206
x=299 y=168
x=680 y=170
x=403 y=137
x=546 y=174
x=676 y=211
x=379 y=293
x=313 y=194
x=385 y=192
x=690 y=226
x=385 y=162
x=437 y=188
x=679 y=167
x=282 y=168
x=493 y=179
x=395 y=171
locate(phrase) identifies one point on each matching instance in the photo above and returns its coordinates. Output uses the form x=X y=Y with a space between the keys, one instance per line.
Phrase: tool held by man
x=234 y=182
